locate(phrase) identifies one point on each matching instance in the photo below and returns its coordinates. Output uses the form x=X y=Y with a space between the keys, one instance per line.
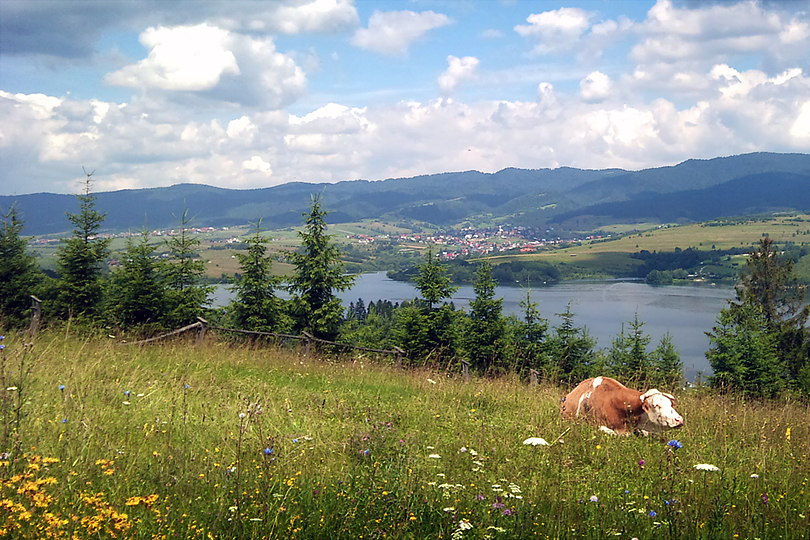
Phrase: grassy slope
x=614 y=254
x=351 y=453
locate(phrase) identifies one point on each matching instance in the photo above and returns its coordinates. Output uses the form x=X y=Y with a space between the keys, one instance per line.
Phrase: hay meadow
x=237 y=440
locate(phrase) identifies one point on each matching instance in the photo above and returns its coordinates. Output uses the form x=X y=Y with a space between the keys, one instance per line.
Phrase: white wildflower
x=755 y=476
x=434 y=456
x=465 y=525
x=431 y=381
x=536 y=441
x=706 y=467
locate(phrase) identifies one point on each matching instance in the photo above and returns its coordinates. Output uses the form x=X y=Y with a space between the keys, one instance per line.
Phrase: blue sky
x=248 y=94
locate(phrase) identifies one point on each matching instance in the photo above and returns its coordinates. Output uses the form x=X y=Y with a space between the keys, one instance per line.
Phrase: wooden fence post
x=465 y=370
x=201 y=330
x=533 y=377
x=36 y=316
x=398 y=357
x=307 y=342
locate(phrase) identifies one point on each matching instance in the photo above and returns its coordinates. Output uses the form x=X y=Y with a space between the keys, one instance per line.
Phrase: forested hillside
x=566 y=197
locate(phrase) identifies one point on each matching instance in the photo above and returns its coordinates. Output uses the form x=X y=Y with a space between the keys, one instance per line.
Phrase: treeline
x=508 y=273
x=760 y=345
x=664 y=267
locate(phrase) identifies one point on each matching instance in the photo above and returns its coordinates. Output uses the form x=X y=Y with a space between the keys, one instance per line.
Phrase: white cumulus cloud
x=393 y=32
x=458 y=69
x=180 y=58
x=214 y=63
x=595 y=87
x=555 y=30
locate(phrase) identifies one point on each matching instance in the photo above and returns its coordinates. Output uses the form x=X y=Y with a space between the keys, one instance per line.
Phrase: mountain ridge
x=528 y=197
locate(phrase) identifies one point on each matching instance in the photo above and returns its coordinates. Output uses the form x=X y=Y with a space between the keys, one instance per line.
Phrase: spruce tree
x=744 y=353
x=427 y=332
x=770 y=316
x=485 y=328
x=318 y=274
x=186 y=295
x=628 y=358
x=19 y=273
x=531 y=335
x=80 y=260
x=255 y=305
x=433 y=281
x=667 y=364
x=136 y=291
x=571 y=350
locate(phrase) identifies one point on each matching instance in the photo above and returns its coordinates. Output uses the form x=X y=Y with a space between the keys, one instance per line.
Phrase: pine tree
x=571 y=350
x=136 y=292
x=744 y=353
x=483 y=339
x=667 y=364
x=19 y=273
x=531 y=333
x=255 y=305
x=186 y=296
x=769 y=316
x=80 y=260
x=433 y=281
x=628 y=358
x=318 y=275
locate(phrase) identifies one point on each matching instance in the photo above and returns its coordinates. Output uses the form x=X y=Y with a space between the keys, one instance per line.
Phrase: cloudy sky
x=246 y=94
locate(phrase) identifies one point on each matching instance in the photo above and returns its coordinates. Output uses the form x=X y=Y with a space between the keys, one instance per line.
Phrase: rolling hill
x=563 y=197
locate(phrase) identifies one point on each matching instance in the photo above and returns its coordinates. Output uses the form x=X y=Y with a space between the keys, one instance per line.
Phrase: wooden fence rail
x=201 y=326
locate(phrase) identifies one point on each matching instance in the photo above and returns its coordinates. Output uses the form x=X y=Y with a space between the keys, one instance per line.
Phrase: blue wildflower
x=268 y=451
x=295 y=441
x=64 y=420
x=366 y=452
x=186 y=387
x=127 y=392
x=61 y=387
x=2 y=347
x=676 y=444
x=653 y=513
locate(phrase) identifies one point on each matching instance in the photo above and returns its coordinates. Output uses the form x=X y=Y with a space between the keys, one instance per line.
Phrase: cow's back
x=577 y=399
x=602 y=400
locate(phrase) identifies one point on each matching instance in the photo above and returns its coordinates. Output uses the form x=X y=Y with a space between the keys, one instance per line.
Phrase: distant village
x=454 y=242
x=468 y=241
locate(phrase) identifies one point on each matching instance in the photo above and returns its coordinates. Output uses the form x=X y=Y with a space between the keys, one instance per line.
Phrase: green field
x=221 y=440
x=607 y=257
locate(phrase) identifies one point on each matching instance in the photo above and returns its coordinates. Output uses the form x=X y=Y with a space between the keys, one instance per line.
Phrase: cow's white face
x=659 y=412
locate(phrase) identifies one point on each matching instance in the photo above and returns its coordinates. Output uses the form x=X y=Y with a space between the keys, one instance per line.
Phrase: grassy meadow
x=223 y=440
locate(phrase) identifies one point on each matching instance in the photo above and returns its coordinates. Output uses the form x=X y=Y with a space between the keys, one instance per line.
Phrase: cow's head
x=659 y=412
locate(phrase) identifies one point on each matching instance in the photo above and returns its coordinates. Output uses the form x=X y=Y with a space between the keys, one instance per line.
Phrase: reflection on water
x=685 y=312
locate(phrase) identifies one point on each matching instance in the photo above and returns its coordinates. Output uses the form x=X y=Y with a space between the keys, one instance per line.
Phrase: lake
x=686 y=312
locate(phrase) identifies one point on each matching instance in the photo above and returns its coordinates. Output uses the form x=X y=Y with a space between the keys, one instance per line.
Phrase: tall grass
x=224 y=441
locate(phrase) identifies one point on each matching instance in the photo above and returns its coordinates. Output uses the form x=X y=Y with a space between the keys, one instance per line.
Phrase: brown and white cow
x=621 y=410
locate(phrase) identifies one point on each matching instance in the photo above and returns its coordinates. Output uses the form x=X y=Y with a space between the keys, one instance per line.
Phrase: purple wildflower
x=508 y=512
x=765 y=498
